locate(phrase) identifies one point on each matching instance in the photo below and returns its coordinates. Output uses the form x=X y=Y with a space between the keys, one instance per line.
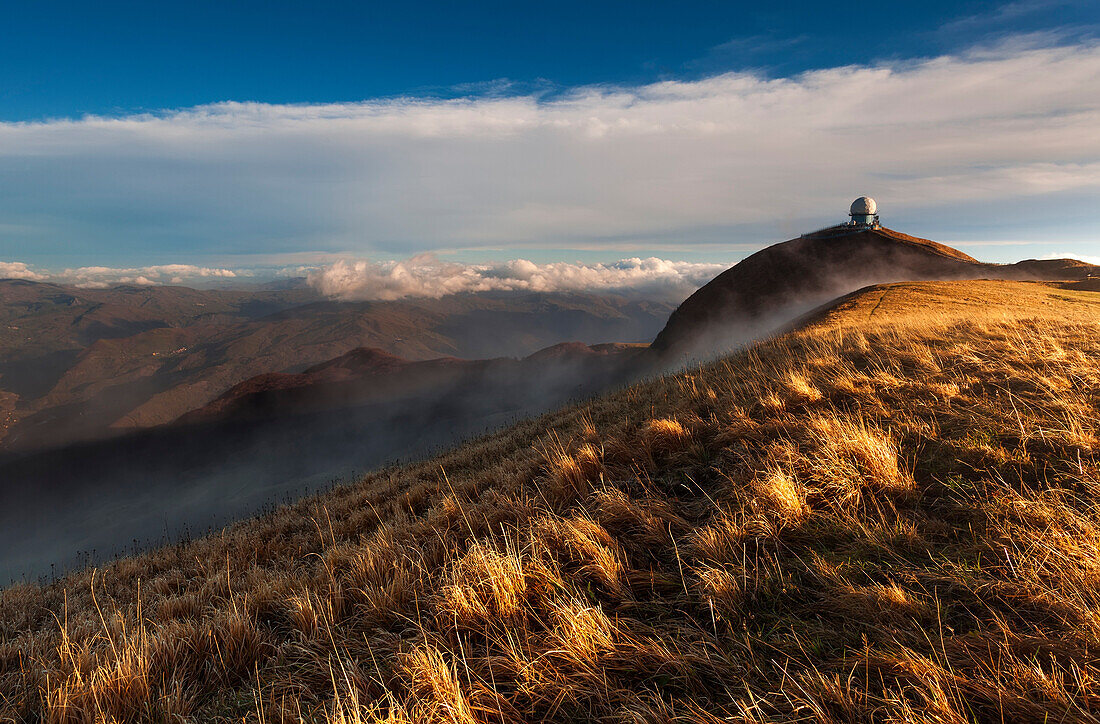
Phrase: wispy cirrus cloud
x=1005 y=15
x=733 y=158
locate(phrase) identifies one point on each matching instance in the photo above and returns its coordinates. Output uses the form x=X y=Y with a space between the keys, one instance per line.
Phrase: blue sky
x=65 y=59
x=286 y=136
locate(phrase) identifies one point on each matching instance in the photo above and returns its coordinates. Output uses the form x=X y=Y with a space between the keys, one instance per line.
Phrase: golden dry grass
x=887 y=517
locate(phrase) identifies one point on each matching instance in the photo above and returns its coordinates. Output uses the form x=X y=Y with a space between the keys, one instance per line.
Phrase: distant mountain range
x=84 y=364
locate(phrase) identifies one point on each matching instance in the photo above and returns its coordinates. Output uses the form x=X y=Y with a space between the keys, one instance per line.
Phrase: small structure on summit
x=864 y=213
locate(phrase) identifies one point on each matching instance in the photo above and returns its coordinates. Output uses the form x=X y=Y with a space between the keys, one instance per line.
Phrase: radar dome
x=864 y=206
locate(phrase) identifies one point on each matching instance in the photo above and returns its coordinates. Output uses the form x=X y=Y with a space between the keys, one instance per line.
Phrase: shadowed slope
x=273 y=436
x=887 y=520
x=368 y=375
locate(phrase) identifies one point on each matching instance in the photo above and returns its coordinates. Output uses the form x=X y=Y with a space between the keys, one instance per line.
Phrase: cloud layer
x=736 y=157
x=1087 y=258
x=104 y=276
x=426 y=276
x=19 y=270
x=420 y=276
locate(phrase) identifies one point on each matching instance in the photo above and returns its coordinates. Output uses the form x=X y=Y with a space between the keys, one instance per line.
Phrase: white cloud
x=421 y=276
x=1088 y=259
x=736 y=157
x=18 y=270
x=104 y=276
x=426 y=276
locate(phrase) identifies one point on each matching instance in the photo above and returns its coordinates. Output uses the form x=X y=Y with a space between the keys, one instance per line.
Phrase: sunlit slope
x=924 y=303
x=767 y=288
x=886 y=515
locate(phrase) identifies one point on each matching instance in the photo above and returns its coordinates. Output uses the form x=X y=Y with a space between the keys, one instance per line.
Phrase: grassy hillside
x=783 y=280
x=887 y=515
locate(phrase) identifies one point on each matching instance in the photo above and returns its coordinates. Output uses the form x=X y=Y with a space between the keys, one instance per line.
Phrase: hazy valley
x=137 y=414
x=81 y=364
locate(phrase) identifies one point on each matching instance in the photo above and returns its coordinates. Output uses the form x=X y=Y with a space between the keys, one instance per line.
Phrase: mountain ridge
x=84 y=364
x=767 y=288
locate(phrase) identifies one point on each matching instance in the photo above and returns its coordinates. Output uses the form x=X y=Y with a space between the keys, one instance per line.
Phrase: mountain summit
x=782 y=281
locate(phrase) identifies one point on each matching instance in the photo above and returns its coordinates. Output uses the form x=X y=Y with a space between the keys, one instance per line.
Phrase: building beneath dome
x=863 y=216
x=864 y=213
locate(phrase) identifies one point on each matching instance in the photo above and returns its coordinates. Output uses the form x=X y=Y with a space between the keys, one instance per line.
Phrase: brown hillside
x=371 y=376
x=883 y=304
x=88 y=364
x=776 y=284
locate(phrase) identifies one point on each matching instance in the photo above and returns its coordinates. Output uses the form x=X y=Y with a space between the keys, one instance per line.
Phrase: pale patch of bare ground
x=854 y=522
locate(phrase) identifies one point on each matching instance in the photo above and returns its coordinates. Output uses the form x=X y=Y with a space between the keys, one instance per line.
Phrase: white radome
x=864 y=206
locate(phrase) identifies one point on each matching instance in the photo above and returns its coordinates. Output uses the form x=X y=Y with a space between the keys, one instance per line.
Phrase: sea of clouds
x=427 y=276
x=424 y=275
